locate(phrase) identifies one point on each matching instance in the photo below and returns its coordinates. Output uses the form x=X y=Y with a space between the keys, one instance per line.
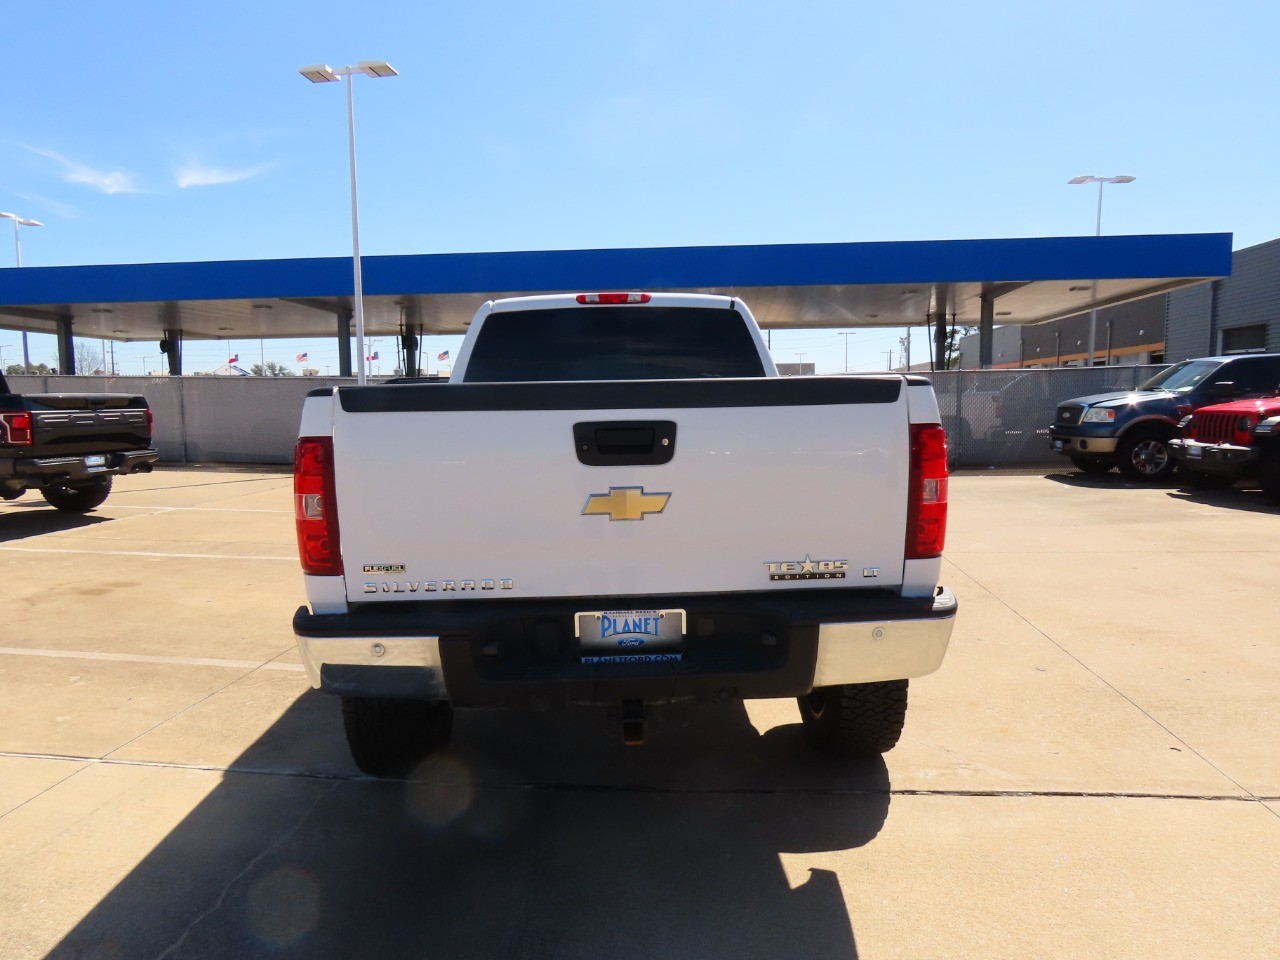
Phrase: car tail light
x=927 y=496
x=316 y=507
x=613 y=298
x=16 y=429
x=151 y=424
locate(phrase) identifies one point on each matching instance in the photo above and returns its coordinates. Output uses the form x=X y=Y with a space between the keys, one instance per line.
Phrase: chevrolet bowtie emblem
x=625 y=503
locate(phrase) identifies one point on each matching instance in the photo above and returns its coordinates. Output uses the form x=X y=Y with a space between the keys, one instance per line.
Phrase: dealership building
x=1239 y=313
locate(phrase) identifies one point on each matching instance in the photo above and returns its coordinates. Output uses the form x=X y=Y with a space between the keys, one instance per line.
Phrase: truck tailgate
x=68 y=424
x=457 y=491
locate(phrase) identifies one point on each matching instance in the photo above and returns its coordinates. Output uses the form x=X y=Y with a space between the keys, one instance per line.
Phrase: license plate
x=1058 y=445
x=95 y=461
x=631 y=636
x=1193 y=453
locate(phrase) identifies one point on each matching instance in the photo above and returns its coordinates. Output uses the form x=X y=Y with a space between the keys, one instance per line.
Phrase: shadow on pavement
x=1107 y=481
x=36 y=519
x=1232 y=498
x=534 y=836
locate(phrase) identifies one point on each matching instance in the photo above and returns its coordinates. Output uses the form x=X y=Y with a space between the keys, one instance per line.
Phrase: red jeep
x=1223 y=443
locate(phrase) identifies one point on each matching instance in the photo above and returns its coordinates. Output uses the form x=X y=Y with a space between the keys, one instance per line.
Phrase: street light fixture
x=1093 y=297
x=17 y=253
x=323 y=73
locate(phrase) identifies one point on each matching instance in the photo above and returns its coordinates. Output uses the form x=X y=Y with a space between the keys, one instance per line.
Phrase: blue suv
x=1132 y=429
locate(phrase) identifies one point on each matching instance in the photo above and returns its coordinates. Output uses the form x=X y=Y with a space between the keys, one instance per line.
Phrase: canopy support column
x=171 y=347
x=344 y=343
x=941 y=307
x=66 y=346
x=986 y=326
x=409 y=340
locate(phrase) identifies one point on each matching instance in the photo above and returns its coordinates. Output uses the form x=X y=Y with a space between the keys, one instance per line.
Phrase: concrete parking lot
x=1094 y=771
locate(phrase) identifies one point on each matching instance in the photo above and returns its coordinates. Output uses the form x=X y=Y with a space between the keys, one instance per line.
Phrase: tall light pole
x=1093 y=297
x=800 y=372
x=846 y=349
x=17 y=253
x=323 y=73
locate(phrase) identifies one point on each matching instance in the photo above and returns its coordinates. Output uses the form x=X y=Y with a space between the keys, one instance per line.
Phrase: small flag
x=372 y=356
x=442 y=357
x=235 y=358
x=301 y=358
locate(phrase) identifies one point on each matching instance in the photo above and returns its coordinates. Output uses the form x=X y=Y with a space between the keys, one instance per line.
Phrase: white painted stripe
x=20 y=507
x=144 y=553
x=137 y=506
x=145 y=658
x=173 y=765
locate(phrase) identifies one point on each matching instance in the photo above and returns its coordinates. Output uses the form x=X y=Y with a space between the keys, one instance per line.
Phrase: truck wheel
x=78 y=499
x=1145 y=457
x=1091 y=465
x=388 y=738
x=1269 y=473
x=857 y=719
x=1205 y=481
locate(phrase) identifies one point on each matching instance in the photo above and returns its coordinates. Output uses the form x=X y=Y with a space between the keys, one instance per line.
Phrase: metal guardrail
x=994 y=418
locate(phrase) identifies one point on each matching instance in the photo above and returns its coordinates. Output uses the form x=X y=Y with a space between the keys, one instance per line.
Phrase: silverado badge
x=625 y=503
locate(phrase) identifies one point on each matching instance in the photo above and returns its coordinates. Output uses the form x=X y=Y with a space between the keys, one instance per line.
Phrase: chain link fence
x=207 y=419
x=1000 y=418
x=994 y=418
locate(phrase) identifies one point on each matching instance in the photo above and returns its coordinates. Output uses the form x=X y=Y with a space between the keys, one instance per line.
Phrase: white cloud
x=199 y=175
x=64 y=210
x=115 y=181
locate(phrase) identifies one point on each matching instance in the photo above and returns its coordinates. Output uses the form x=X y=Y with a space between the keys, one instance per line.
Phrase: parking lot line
x=145 y=553
x=144 y=658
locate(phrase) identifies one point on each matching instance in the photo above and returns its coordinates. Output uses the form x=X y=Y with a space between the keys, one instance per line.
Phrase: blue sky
x=147 y=131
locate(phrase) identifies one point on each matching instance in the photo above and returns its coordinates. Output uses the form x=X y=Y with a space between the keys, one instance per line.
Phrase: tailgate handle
x=624 y=443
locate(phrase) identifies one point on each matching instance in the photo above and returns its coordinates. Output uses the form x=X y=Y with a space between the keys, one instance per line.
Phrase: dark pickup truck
x=69 y=445
x=1132 y=429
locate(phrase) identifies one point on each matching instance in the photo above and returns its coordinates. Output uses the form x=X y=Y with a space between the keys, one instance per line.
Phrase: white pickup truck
x=616 y=500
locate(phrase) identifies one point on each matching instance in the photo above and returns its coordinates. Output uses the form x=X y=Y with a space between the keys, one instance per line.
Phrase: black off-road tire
x=78 y=499
x=1204 y=481
x=1269 y=472
x=1145 y=456
x=857 y=719
x=388 y=738
x=1091 y=465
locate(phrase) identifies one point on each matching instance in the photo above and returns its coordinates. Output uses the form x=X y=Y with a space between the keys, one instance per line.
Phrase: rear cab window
x=613 y=343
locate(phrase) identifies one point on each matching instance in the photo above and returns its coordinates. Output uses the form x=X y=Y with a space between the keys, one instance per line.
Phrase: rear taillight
x=613 y=298
x=15 y=429
x=316 y=507
x=927 y=497
x=151 y=424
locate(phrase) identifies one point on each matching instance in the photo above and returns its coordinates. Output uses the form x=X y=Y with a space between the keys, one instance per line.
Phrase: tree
x=271 y=369
x=88 y=358
x=40 y=369
x=951 y=346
